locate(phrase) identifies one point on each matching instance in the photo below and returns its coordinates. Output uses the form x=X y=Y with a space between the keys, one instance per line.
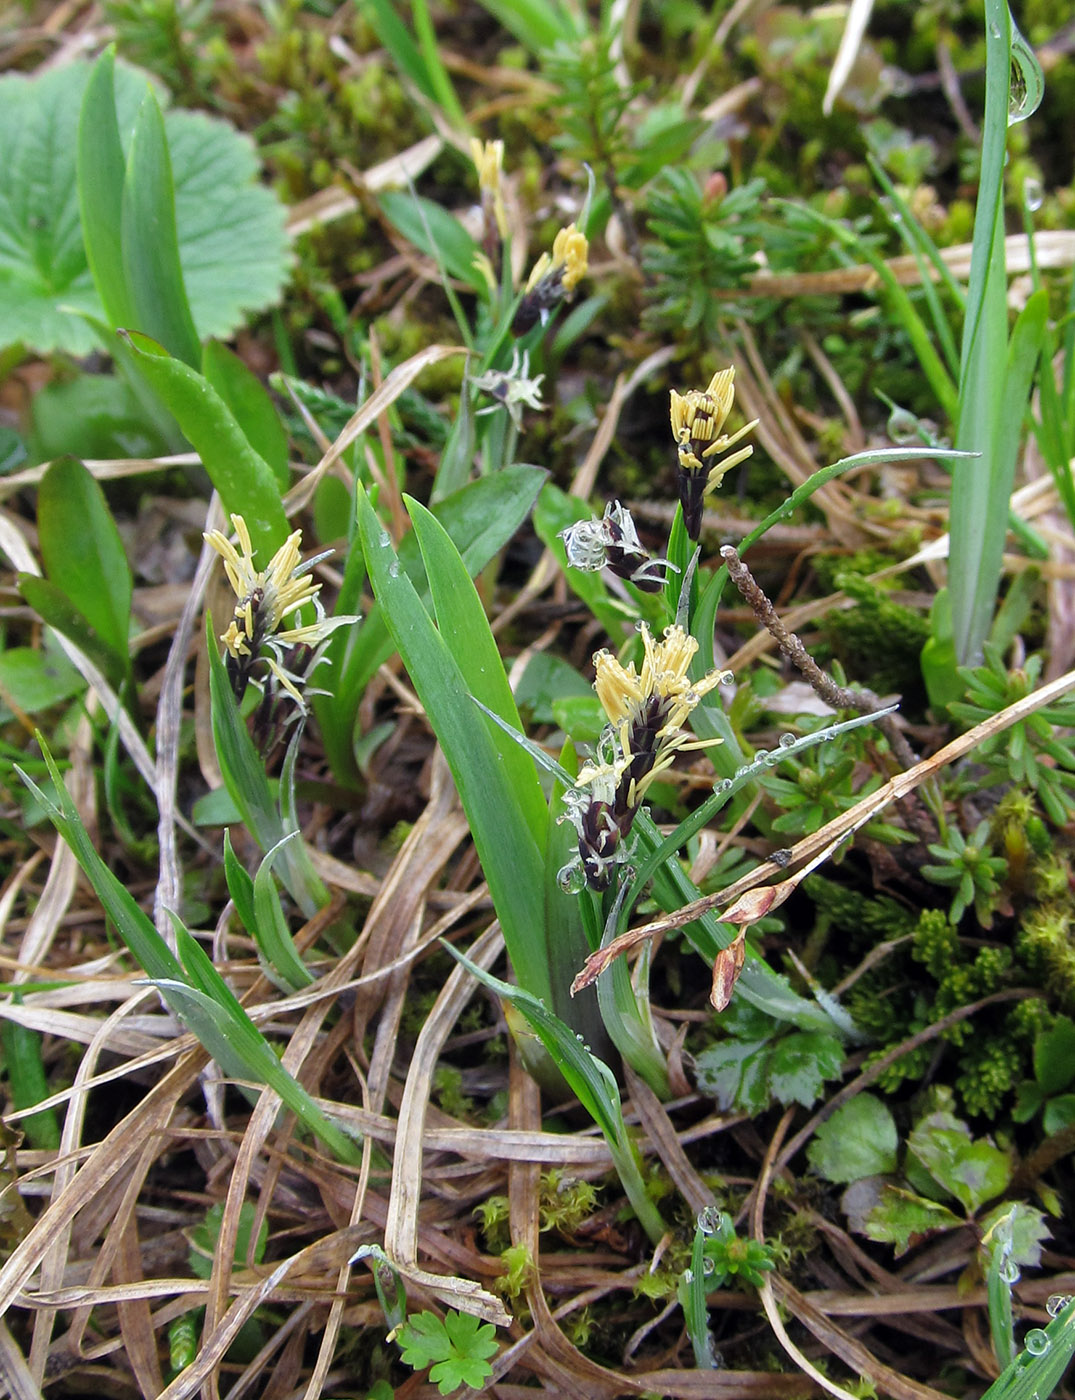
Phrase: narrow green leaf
x=241 y=766
x=83 y=553
x=240 y=885
x=436 y=232
x=150 y=242
x=144 y=942
x=101 y=172
x=511 y=858
x=251 y=406
x=271 y=933
x=480 y=518
x=465 y=628
x=1038 y=1370
x=242 y=476
x=591 y=1081
x=695 y=1312
x=56 y=610
x=28 y=1081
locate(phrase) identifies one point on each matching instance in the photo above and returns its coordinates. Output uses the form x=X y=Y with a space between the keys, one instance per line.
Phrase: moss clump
x=879 y=641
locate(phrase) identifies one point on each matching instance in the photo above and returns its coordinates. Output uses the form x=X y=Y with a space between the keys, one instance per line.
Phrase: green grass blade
x=591 y=1081
x=150 y=242
x=1036 y=1372
x=28 y=1082
x=101 y=172
x=243 y=771
x=464 y=626
x=244 y=479
x=83 y=553
x=480 y=518
x=251 y=407
x=271 y=933
x=695 y=1312
x=511 y=858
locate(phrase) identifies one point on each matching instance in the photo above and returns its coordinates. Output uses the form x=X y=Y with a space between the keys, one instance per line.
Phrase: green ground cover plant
x=535 y=685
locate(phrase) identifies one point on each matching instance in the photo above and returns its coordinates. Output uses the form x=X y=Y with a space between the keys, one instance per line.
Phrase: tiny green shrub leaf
x=859 y=1140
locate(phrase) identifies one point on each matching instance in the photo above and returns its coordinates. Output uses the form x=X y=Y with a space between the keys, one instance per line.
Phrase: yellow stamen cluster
x=488 y=158
x=265 y=597
x=698 y=419
x=568 y=263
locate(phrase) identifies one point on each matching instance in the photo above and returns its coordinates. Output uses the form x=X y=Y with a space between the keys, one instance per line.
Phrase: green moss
x=879 y=642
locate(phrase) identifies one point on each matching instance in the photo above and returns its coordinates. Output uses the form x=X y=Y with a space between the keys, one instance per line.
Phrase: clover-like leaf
x=232 y=243
x=974 y=1171
x=859 y=1140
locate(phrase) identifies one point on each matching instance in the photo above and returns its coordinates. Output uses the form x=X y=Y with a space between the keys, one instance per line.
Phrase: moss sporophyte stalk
x=698 y=419
x=646 y=713
x=266 y=598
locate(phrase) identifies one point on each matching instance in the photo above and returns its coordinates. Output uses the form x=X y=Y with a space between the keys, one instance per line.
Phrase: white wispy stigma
x=612 y=543
x=646 y=713
x=266 y=598
x=513 y=388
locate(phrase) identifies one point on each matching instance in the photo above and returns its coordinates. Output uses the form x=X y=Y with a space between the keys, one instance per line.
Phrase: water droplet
x=688 y=1275
x=994 y=29
x=903 y=428
x=1056 y=1303
x=1036 y=1342
x=1028 y=80
x=691 y=698
x=760 y=755
x=640 y=626
x=725 y=785
x=1010 y=1272
x=709 y=1219
x=1033 y=193
x=709 y=1266
x=570 y=878
x=727 y=677
x=384 y=539
x=788 y=741
x=742 y=772
x=393 y=569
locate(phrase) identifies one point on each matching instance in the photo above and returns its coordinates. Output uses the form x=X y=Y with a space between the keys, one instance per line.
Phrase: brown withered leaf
x=726 y=970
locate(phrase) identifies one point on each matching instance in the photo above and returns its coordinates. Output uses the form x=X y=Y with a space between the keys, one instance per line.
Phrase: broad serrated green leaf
x=801 y=1063
x=83 y=554
x=859 y=1140
x=233 y=246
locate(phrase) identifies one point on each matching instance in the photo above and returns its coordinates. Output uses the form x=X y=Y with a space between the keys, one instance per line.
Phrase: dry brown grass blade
x=14 y=1371
x=401 y=1228
x=665 y=1140
x=384 y=396
x=829 y=836
x=123 y=1143
x=1052 y=248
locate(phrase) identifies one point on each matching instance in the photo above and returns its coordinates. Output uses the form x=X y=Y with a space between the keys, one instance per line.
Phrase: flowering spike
x=265 y=599
x=553 y=278
x=646 y=711
x=698 y=419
